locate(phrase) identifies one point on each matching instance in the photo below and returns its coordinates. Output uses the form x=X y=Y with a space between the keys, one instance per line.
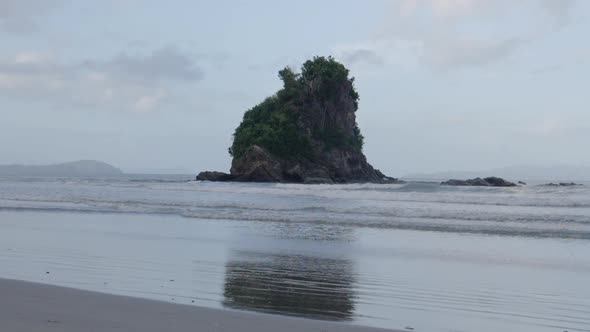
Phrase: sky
x=160 y=86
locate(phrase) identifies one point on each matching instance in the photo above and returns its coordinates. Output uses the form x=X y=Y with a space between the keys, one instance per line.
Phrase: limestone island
x=305 y=133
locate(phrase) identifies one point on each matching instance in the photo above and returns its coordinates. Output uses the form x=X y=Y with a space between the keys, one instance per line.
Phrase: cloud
x=439 y=8
x=559 y=11
x=547 y=69
x=20 y=16
x=149 y=102
x=163 y=64
x=469 y=53
x=455 y=34
x=136 y=83
x=362 y=56
x=569 y=60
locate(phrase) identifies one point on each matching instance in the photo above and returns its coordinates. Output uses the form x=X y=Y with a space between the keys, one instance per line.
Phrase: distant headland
x=305 y=133
x=69 y=169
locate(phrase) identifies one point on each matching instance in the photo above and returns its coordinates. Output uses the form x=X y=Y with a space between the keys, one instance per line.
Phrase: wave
x=403 y=210
x=416 y=192
x=534 y=211
x=500 y=224
x=418 y=224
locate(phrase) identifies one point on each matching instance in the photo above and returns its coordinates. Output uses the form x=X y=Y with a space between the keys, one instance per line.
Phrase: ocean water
x=416 y=255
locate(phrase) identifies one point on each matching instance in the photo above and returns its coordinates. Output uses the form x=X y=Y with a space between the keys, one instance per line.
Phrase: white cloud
x=468 y=52
x=440 y=8
x=135 y=83
x=31 y=58
x=20 y=16
x=559 y=11
x=163 y=64
x=149 y=102
x=365 y=55
x=450 y=34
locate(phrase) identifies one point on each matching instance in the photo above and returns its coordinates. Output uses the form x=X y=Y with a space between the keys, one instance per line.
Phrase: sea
x=416 y=256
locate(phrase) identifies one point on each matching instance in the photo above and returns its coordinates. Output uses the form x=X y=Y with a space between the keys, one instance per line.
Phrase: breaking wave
x=521 y=211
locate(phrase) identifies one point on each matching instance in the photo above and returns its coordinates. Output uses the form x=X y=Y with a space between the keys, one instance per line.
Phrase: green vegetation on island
x=276 y=124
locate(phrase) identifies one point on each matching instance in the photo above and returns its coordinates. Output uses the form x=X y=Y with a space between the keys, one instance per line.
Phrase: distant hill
x=530 y=173
x=75 y=168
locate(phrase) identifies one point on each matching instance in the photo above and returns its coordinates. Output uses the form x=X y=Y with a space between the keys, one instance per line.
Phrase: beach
x=413 y=256
x=29 y=307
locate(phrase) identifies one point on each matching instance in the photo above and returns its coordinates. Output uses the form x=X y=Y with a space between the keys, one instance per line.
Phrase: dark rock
x=522 y=183
x=471 y=182
x=498 y=182
x=479 y=182
x=316 y=175
x=336 y=166
x=563 y=184
x=257 y=165
x=213 y=176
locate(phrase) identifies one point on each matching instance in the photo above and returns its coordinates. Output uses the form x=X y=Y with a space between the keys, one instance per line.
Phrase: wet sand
x=392 y=279
x=31 y=307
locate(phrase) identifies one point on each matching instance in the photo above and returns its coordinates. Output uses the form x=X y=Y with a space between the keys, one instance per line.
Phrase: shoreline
x=27 y=306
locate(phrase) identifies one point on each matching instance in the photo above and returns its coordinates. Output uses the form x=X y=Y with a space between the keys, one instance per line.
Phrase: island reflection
x=296 y=285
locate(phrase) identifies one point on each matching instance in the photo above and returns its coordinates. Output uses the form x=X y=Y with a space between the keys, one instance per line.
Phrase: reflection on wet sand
x=297 y=285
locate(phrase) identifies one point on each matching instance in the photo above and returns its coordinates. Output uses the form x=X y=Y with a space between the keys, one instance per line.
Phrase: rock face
x=479 y=182
x=322 y=110
x=258 y=165
x=213 y=176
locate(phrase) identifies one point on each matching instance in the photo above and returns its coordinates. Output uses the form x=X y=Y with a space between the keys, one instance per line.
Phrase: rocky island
x=491 y=181
x=305 y=133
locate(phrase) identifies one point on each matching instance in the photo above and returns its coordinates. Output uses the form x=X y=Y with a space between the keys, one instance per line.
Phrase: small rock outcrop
x=213 y=176
x=563 y=184
x=479 y=182
x=305 y=133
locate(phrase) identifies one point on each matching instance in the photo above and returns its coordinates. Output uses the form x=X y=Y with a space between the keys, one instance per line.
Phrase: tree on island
x=306 y=132
x=274 y=123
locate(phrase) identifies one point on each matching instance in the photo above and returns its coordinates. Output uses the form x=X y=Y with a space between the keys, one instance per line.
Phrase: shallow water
x=538 y=211
x=419 y=255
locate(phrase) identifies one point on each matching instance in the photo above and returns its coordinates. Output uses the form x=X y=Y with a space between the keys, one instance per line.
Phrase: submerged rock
x=479 y=182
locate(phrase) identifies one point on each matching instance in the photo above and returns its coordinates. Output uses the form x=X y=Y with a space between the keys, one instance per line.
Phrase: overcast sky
x=161 y=85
